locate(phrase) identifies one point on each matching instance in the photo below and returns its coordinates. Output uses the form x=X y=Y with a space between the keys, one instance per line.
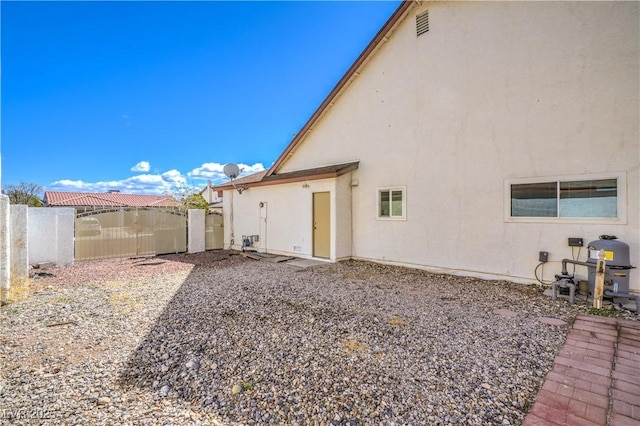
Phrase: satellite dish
x=231 y=170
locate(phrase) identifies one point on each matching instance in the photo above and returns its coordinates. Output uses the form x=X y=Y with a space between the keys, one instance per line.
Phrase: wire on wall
x=535 y=272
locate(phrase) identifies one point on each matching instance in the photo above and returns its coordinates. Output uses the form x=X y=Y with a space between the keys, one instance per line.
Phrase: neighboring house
x=213 y=197
x=88 y=201
x=96 y=211
x=465 y=139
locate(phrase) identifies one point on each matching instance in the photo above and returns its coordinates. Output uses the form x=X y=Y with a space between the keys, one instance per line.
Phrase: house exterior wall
x=343 y=229
x=494 y=91
x=210 y=195
x=284 y=221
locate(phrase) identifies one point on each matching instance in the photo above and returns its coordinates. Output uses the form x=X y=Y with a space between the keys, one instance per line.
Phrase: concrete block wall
x=5 y=258
x=51 y=233
x=18 y=245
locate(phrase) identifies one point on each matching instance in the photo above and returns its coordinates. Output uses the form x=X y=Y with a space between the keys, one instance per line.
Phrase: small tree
x=195 y=201
x=24 y=193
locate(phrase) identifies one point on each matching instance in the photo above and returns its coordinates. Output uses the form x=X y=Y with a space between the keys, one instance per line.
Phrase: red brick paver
x=596 y=375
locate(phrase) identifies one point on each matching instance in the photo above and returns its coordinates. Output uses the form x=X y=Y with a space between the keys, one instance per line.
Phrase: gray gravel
x=216 y=338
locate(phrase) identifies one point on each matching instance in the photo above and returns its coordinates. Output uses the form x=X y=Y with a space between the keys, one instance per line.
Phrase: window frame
x=620 y=177
x=390 y=190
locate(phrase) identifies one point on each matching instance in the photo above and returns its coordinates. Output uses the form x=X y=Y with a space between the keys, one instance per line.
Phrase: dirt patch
x=99 y=272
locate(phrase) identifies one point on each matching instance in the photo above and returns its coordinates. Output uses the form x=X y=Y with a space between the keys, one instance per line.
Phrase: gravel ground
x=215 y=338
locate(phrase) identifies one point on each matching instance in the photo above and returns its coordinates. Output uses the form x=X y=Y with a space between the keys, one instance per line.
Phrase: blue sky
x=151 y=97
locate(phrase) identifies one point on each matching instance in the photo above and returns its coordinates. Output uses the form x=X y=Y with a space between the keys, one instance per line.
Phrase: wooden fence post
x=599 y=287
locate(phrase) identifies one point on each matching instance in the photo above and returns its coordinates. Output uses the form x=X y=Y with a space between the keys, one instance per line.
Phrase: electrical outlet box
x=575 y=242
x=543 y=256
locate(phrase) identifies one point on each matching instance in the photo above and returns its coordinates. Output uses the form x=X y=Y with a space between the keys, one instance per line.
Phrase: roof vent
x=422 y=23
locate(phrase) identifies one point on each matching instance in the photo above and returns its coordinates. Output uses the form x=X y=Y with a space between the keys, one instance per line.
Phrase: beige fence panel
x=130 y=232
x=214 y=235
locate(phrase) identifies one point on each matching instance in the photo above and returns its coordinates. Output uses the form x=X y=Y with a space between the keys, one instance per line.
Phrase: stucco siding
x=494 y=90
x=282 y=216
x=343 y=217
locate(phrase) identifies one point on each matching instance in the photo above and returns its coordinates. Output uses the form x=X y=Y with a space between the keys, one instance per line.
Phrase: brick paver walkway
x=595 y=379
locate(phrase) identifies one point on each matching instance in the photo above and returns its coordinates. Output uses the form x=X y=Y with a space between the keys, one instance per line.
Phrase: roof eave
x=279 y=180
x=283 y=181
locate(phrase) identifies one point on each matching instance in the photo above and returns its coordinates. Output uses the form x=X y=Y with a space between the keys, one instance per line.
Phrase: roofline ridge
x=370 y=49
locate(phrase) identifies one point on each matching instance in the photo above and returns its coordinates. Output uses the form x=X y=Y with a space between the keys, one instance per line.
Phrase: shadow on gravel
x=353 y=343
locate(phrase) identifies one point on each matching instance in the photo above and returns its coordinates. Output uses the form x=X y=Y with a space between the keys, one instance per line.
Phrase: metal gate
x=125 y=232
x=213 y=228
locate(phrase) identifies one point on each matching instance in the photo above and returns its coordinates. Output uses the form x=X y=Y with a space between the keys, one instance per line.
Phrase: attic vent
x=422 y=23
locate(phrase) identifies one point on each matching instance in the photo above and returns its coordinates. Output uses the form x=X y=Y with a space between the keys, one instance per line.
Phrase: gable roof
x=261 y=178
x=351 y=73
x=108 y=199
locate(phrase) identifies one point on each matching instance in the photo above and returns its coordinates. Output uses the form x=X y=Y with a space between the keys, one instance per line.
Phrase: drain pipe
x=598 y=290
x=263 y=223
x=231 y=236
x=574 y=262
x=564 y=280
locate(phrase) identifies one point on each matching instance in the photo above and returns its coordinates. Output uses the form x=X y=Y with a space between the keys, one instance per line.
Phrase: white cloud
x=142 y=166
x=175 y=177
x=214 y=172
x=146 y=179
x=66 y=183
x=171 y=181
x=249 y=170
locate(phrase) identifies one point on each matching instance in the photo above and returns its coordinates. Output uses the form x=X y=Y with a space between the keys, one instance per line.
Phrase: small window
x=568 y=198
x=534 y=200
x=589 y=198
x=391 y=203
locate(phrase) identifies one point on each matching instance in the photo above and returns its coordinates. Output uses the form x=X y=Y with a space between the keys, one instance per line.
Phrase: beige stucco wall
x=282 y=216
x=494 y=91
x=342 y=207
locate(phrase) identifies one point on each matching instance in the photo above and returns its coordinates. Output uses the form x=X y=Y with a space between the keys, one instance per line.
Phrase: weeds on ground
x=353 y=345
x=12 y=310
x=397 y=320
x=124 y=302
x=115 y=284
x=603 y=312
x=62 y=299
x=20 y=290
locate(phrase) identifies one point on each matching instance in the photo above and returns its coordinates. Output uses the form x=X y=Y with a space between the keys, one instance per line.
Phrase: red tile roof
x=110 y=199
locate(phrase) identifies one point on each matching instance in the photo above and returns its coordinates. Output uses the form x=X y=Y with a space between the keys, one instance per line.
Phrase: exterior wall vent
x=422 y=23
